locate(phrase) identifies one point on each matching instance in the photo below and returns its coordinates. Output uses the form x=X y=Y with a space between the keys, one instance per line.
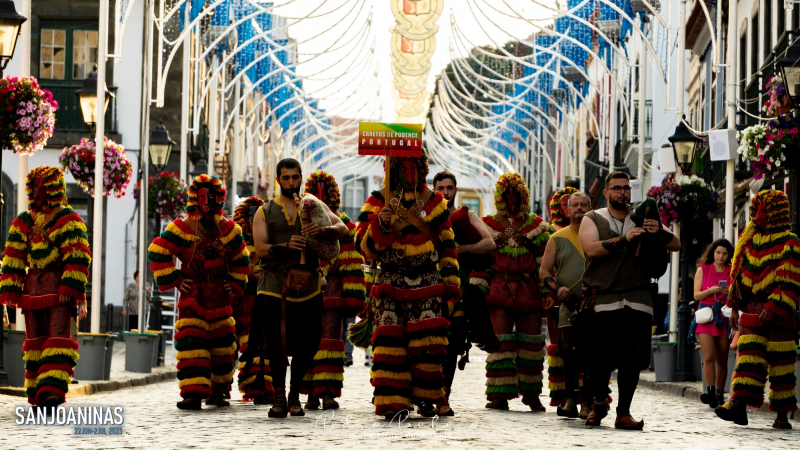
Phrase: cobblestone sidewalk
x=153 y=421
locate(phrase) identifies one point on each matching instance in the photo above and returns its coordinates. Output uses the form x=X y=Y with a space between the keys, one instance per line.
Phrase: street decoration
x=685 y=200
x=778 y=102
x=167 y=195
x=79 y=161
x=767 y=146
x=27 y=115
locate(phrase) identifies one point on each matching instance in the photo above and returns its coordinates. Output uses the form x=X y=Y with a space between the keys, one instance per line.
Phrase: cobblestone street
x=153 y=421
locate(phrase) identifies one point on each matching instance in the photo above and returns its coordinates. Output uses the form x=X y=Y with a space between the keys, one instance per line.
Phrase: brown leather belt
x=512 y=276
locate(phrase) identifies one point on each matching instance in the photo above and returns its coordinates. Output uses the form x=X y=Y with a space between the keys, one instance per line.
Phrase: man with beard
x=515 y=297
x=619 y=285
x=564 y=255
x=343 y=297
x=254 y=373
x=472 y=242
x=45 y=264
x=290 y=288
x=410 y=235
x=764 y=295
x=214 y=266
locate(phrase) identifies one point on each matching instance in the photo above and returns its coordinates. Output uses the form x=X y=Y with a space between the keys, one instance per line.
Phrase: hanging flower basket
x=167 y=195
x=79 y=160
x=768 y=145
x=27 y=115
x=777 y=103
x=685 y=200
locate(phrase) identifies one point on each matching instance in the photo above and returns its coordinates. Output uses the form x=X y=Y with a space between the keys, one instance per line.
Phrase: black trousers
x=303 y=334
x=457 y=345
x=619 y=340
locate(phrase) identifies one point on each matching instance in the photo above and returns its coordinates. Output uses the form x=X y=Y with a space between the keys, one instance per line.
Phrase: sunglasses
x=618 y=189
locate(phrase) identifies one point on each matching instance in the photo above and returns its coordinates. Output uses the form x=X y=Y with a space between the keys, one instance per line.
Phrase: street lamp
x=160 y=146
x=87 y=96
x=10 y=23
x=684 y=144
x=789 y=66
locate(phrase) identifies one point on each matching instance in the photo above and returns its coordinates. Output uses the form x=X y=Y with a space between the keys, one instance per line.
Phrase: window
x=742 y=64
x=472 y=201
x=767 y=28
x=795 y=17
x=781 y=20
x=355 y=194
x=53 y=54
x=67 y=54
x=754 y=66
x=84 y=53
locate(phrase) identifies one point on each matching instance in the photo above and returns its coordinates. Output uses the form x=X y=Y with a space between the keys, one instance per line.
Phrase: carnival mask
x=761 y=219
x=321 y=191
x=408 y=174
x=512 y=200
x=206 y=201
x=40 y=197
x=565 y=206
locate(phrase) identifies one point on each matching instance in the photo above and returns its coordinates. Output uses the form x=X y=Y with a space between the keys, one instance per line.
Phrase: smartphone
x=723 y=284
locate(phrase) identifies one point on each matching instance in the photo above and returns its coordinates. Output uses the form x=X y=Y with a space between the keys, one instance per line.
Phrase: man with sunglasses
x=617 y=283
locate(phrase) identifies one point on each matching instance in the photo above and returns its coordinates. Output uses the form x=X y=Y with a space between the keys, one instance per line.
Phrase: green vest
x=569 y=265
x=280 y=229
x=618 y=277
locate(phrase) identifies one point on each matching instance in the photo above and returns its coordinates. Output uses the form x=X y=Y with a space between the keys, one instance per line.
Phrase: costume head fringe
x=52 y=180
x=556 y=215
x=762 y=251
x=209 y=182
x=506 y=181
x=333 y=199
x=242 y=216
x=422 y=168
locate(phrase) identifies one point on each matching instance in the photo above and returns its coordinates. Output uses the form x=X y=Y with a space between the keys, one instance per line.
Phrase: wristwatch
x=328 y=230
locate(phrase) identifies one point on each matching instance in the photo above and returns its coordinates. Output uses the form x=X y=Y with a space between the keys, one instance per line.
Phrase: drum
x=313 y=211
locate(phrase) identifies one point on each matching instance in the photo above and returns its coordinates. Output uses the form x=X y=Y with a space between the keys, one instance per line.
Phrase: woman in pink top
x=714 y=267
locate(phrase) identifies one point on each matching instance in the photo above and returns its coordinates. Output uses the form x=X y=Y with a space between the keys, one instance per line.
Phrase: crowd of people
x=426 y=280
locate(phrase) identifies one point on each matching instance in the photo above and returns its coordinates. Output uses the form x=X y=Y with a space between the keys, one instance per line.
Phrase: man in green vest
x=619 y=282
x=564 y=255
x=290 y=312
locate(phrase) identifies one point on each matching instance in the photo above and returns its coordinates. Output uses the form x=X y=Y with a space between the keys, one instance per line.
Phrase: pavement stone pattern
x=153 y=421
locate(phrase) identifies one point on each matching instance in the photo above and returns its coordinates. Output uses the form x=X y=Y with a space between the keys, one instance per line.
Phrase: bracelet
x=384 y=228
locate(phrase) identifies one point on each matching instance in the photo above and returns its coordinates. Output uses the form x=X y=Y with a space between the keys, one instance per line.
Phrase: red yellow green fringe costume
x=410 y=335
x=766 y=274
x=41 y=262
x=343 y=297
x=249 y=367
x=205 y=337
x=515 y=302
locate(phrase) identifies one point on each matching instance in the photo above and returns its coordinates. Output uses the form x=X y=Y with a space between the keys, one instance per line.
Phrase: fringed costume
x=343 y=297
x=515 y=297
x=251 y=367
x=46 y=256
x=766 y=284
x=409 y=293
x=215 y=264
